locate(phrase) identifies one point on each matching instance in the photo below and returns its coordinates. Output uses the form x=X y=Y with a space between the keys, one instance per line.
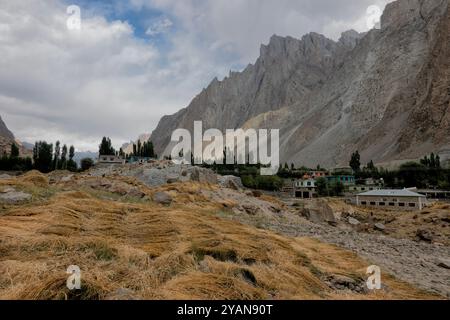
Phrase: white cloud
x=159 y=26
x=102 y=80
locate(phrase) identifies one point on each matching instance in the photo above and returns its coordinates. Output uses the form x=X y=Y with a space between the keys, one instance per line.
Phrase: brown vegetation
x=179 y=252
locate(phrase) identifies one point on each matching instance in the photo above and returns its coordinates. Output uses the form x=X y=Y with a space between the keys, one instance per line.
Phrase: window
x=382 y=204
x=392 y=204
x=364 y=203
x=401 y=204
x=373 y=203
x=412 y=205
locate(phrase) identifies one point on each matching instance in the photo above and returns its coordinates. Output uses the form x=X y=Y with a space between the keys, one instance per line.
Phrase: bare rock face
x=384 y=93
x=7 y=139
x=4 y=131
x=288 y=70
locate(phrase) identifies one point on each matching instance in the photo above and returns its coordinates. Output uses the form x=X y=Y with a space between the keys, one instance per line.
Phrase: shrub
x=86 y=164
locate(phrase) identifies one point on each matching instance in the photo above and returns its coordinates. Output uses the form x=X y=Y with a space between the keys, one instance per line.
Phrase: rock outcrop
x=7 y=139
x=384 y=93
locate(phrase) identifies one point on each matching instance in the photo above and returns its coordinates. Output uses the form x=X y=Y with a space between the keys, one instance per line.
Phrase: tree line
x=140 y=149
x=46 y=158
x=427 y=173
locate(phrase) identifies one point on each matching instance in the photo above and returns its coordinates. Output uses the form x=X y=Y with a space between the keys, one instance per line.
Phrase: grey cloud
x=60 y=84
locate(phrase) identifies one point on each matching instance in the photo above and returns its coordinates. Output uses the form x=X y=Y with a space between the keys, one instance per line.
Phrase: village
x=363 y=187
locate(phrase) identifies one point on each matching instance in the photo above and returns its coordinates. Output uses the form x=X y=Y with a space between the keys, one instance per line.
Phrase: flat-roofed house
x=110 y=159
x=305 y=189
x=392 y=199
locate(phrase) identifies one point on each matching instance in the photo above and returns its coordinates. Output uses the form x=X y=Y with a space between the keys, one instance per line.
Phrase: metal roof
x=391 y=193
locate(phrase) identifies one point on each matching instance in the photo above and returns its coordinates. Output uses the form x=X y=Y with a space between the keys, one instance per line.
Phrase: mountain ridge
x=365 y=92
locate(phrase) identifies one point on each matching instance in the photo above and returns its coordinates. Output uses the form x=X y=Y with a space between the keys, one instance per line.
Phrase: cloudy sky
x=134 y=61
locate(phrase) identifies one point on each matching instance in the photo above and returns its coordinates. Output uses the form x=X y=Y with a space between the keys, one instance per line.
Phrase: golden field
x=181 y=251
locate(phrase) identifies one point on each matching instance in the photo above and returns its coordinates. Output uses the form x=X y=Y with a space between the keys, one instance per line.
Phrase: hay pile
x=155 y=252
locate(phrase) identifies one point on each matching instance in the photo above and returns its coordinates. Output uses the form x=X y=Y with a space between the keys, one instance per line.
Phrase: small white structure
x=308 y=183
x=110 y=159
x=392 y=199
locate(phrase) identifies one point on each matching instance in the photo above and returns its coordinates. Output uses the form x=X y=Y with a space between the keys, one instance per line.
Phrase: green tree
x=355 y=162
x=106 y=148
x=43 y=156
x=86 y=164
x=57 y=156
x=63 y=165
x=14 y=150
x=412 y=174
x=71 y=164
x=322 y=187
x=337 y=189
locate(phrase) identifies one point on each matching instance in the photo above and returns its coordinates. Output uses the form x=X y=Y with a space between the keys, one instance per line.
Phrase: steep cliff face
x=6 y=138
x=288 y=70
x=4 y=131
x=385 y=93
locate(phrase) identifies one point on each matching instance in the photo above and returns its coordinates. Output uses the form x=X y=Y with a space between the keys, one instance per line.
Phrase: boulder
x=424 y=235
x=135 y=192
x=12 y=196
x=203 y=176
x=231 y=182
x=173 y=180
x=380 y=227
x=121 y=294
x=341 y=282
x=257 y=193
x=162 y=198
x=250 y=209
x=318 y=211
x=443 y=263
x=67 y=178
x=353 y=221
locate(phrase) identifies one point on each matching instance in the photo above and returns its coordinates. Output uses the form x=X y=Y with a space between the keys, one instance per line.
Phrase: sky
x=131 y=62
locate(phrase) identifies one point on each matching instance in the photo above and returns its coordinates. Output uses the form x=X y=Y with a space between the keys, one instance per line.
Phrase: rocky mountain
x=7 y=139
x=385 y=93
x=4 y=131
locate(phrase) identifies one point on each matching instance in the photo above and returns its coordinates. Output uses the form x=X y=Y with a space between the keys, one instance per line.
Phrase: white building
x=110 y=159
x=392 y=199
x=305 y=188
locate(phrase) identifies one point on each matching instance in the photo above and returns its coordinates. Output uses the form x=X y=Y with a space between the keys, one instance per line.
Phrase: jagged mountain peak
x=382 y=93
x=4 y=131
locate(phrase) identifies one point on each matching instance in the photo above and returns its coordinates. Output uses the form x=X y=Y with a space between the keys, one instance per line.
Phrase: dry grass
x=178 y=252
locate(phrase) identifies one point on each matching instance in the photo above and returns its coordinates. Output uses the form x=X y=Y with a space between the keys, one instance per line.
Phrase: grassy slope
x=180 y=252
